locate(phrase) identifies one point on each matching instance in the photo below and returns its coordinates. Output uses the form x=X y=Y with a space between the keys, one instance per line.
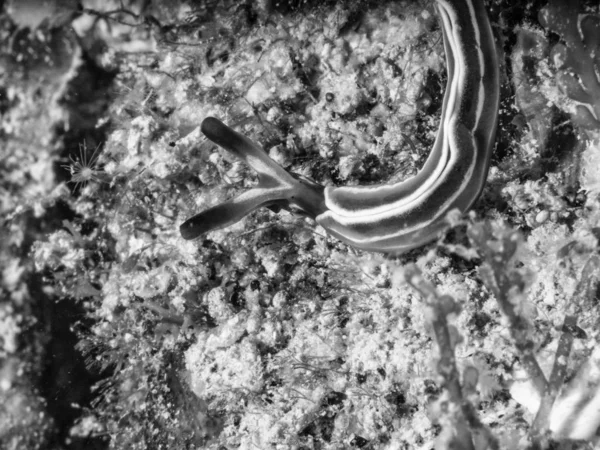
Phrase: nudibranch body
x=399 y=216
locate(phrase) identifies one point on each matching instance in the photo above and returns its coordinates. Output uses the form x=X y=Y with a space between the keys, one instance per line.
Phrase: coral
x=503 y=276
x=578 y=59
x=458 y=416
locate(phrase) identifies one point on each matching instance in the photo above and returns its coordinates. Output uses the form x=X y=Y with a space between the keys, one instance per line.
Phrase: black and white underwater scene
x=299 y=224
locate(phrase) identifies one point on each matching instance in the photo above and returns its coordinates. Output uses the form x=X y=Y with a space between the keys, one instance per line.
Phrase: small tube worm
x=393 y=217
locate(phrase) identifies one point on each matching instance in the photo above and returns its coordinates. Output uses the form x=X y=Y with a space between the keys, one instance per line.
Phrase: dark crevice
x=66 y=383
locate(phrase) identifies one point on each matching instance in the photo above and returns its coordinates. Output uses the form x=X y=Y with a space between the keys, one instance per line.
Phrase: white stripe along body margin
x=401 y=216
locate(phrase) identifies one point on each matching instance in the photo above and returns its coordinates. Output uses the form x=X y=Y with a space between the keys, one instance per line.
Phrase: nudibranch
x=394 y=217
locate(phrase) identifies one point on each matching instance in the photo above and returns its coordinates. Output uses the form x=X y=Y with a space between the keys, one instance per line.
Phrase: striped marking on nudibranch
x=407 y=214
x=401 y=216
